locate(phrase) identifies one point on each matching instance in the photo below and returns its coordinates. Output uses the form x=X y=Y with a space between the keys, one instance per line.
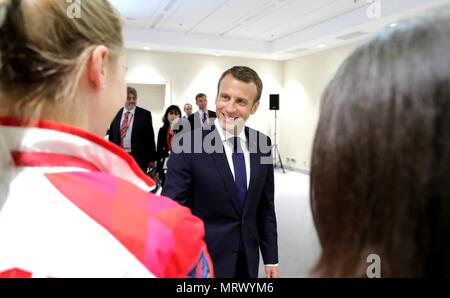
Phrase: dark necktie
x=204 y=117
x=240 y=174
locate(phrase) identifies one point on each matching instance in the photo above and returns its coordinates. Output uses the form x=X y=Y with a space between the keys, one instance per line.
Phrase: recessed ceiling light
x=218 y=54
x=393 y=25
x=147 y=48
x=321 y=46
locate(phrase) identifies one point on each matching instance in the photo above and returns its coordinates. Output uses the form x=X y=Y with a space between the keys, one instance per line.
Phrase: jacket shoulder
x=163 y=235
x=118 y=114
x=142 y=111
x=250 y=132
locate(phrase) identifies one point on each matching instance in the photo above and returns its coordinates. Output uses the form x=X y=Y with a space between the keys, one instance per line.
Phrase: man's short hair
x=246 y=75
x=132 y=91
x=199 y=95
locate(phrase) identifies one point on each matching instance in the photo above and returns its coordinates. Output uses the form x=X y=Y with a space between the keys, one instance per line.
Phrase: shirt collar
x=132 y=111
x=225 y=135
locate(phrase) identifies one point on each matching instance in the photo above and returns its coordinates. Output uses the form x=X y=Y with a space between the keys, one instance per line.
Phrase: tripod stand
x=275 y=151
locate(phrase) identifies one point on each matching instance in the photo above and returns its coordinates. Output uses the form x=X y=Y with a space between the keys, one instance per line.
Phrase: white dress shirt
x=227 y=140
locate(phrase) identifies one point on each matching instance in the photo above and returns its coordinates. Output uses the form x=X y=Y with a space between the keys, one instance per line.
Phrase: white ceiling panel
x=238 y=27
x=137 y=13
x=190 y=14
x=281 y=16
x=232 y=14
x=294 y=16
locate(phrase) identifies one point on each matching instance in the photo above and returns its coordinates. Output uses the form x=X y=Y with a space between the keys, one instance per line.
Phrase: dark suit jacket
x=162 y=149
x=194 y=119
x=204 y=182
x=142 y=136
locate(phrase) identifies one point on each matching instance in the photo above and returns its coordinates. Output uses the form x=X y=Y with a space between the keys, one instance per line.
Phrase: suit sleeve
x=108 y=132
x=178 y=178
x=190 y=256
x=151 y=148
x=191 y=121
x=112 y=130
x=266 y=220
x=161 y=143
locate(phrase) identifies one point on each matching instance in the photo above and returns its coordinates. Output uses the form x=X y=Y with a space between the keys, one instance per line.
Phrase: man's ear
x=255 y=107
x=96 y=67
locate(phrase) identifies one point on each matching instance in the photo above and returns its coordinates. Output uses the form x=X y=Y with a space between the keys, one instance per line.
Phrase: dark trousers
x=142 y=163
x=241 y=266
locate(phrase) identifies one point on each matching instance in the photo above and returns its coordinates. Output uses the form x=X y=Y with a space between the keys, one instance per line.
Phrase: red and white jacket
x=75 y=205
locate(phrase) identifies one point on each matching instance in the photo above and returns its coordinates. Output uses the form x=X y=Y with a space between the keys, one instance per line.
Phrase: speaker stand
x=275 y=151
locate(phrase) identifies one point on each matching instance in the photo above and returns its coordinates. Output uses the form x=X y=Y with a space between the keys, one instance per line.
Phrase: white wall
x=150 y=96
x=189 y=74
x=305 y=79
x=300 y=83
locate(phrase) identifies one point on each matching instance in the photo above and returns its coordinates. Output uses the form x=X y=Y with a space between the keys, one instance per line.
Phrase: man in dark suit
x=132 y=129
x=229 y=183
x=203 y=116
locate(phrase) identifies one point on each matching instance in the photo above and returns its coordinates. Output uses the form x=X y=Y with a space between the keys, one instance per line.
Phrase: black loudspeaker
x=274 y=101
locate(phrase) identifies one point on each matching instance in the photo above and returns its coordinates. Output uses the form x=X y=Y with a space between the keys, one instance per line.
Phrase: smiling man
x=232 y=188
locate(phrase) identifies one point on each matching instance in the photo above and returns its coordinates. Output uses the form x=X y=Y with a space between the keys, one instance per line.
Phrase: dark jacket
x=142 y=137
x=194 y=119
x=203 y=182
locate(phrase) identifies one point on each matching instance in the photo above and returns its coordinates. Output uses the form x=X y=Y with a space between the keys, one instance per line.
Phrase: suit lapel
x=117 y=123
x=135 y=119
x=254 y=170
x=223 y=168
x=134 y=136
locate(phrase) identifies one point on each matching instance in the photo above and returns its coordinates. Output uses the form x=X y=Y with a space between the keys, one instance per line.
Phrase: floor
x=298 y=246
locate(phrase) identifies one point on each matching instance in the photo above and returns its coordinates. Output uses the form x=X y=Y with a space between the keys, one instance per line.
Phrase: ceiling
x=268 y=29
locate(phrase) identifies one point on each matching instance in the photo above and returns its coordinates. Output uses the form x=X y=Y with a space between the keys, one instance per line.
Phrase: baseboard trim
x=294 y=169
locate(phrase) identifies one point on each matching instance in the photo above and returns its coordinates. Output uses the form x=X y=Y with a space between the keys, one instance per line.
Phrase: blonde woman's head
x=60 y=67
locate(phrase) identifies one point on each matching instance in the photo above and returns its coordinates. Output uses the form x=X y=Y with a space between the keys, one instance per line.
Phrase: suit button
x=235 y=252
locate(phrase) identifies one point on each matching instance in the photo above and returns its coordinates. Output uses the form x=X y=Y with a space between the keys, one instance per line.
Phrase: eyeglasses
x=174 y=113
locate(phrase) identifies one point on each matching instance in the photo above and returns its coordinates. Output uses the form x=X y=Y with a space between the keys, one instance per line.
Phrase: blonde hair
x=43 y=50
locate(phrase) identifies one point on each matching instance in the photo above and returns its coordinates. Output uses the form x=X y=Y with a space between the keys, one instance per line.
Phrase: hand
x=151 y=165
x=272 y=271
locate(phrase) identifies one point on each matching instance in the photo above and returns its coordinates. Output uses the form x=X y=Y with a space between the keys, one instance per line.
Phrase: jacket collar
x=50 y=144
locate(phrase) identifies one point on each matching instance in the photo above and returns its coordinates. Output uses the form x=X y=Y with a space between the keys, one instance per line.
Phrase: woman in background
x=380 y=174
x=71 y=203
x=165 y=136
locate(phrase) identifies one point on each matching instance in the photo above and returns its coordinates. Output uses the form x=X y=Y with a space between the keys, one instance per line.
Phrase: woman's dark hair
x=172 y=108
x=380 y=170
